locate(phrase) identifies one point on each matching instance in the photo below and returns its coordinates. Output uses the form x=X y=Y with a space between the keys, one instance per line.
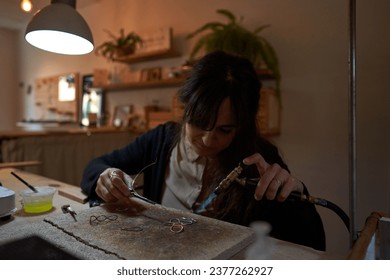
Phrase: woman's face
x=209 y=143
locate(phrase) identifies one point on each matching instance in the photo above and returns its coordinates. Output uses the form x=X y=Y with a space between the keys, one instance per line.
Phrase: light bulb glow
x=59 y=42
x=26 y=5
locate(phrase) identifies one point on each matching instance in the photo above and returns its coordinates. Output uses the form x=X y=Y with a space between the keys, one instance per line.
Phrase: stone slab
x=142 y=231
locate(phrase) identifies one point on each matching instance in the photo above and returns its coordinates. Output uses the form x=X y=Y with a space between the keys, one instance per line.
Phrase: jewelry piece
x=278 y=181
x=113 y=174
x=102 y=219
x=177 y=224
x=176 y=228
x=187 y=221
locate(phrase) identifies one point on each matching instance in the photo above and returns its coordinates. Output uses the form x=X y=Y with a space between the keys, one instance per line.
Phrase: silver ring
x=113 y=174
x=176 y=228
x=278 y=181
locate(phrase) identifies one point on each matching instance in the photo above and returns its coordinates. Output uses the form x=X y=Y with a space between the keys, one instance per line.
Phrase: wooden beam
x=20 y=163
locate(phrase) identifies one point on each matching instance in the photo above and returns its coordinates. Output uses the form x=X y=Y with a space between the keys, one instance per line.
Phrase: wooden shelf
x=165 y=83
x=148 y=56
x=172 y=82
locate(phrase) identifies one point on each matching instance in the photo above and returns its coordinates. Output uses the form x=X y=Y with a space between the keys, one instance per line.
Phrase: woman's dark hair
x=216 y=76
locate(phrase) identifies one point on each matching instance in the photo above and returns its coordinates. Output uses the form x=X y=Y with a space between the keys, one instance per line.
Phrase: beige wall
x=8 y=78
x=311 y=39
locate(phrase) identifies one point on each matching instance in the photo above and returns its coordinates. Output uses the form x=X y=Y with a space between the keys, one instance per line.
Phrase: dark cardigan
x=291 y=221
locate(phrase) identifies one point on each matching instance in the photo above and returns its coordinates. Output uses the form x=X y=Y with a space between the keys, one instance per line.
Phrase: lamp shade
x=59 y=28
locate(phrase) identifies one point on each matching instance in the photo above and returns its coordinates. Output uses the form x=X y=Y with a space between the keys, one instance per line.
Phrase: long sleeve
x=145 y=149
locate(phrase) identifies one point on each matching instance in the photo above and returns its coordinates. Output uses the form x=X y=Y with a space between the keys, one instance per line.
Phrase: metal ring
x=176 y=228
x=175 y=221
x=278 y=181
x=101 y=219
x=113 y=174
x=112 y=217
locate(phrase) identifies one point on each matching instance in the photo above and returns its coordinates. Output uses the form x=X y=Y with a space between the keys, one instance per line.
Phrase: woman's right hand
x=113 y=185
x=275 y=182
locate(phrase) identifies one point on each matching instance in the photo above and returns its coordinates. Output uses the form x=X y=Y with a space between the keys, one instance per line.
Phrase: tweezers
x=132 y=190
x=137 y=195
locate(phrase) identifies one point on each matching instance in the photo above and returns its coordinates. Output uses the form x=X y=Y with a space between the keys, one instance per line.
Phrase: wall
x=8 y=78
x=311 y=39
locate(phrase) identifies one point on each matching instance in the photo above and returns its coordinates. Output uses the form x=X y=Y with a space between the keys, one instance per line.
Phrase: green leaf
x=211 y=25
x=234 y=38
x=261 y=28
x=228 y=14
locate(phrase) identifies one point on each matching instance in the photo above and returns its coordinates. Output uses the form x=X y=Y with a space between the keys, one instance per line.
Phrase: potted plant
x=118 y=46
x=234 y=38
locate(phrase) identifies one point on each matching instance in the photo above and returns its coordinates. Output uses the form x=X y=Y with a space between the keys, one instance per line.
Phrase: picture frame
x=122 y=114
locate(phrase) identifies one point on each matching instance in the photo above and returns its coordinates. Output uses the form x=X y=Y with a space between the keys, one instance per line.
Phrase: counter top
x=61 y=130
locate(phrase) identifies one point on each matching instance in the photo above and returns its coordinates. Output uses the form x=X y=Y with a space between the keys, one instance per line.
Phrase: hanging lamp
x=59 y=28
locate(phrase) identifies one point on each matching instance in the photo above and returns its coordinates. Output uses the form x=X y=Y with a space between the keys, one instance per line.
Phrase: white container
x=7 y=202
x=261 y=248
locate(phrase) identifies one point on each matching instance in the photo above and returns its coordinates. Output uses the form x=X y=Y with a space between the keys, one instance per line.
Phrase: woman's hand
x=275 y=182
x=113 y=185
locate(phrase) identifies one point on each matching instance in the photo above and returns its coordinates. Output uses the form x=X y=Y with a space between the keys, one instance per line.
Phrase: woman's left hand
x=275 y=182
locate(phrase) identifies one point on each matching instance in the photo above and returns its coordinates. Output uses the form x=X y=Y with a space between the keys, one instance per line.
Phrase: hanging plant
x=233 y=37
x=119 y=46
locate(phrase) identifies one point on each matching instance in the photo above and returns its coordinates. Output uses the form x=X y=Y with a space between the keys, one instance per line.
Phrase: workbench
x=135 y=231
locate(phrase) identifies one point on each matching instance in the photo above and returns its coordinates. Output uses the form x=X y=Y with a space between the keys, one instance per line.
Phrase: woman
x=218 y=131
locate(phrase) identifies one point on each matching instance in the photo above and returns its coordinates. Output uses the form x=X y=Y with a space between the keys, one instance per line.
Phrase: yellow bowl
x=38 y=202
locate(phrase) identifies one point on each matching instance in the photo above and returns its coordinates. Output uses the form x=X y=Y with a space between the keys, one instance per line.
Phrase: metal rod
x=352 y=120
x=24 y=182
